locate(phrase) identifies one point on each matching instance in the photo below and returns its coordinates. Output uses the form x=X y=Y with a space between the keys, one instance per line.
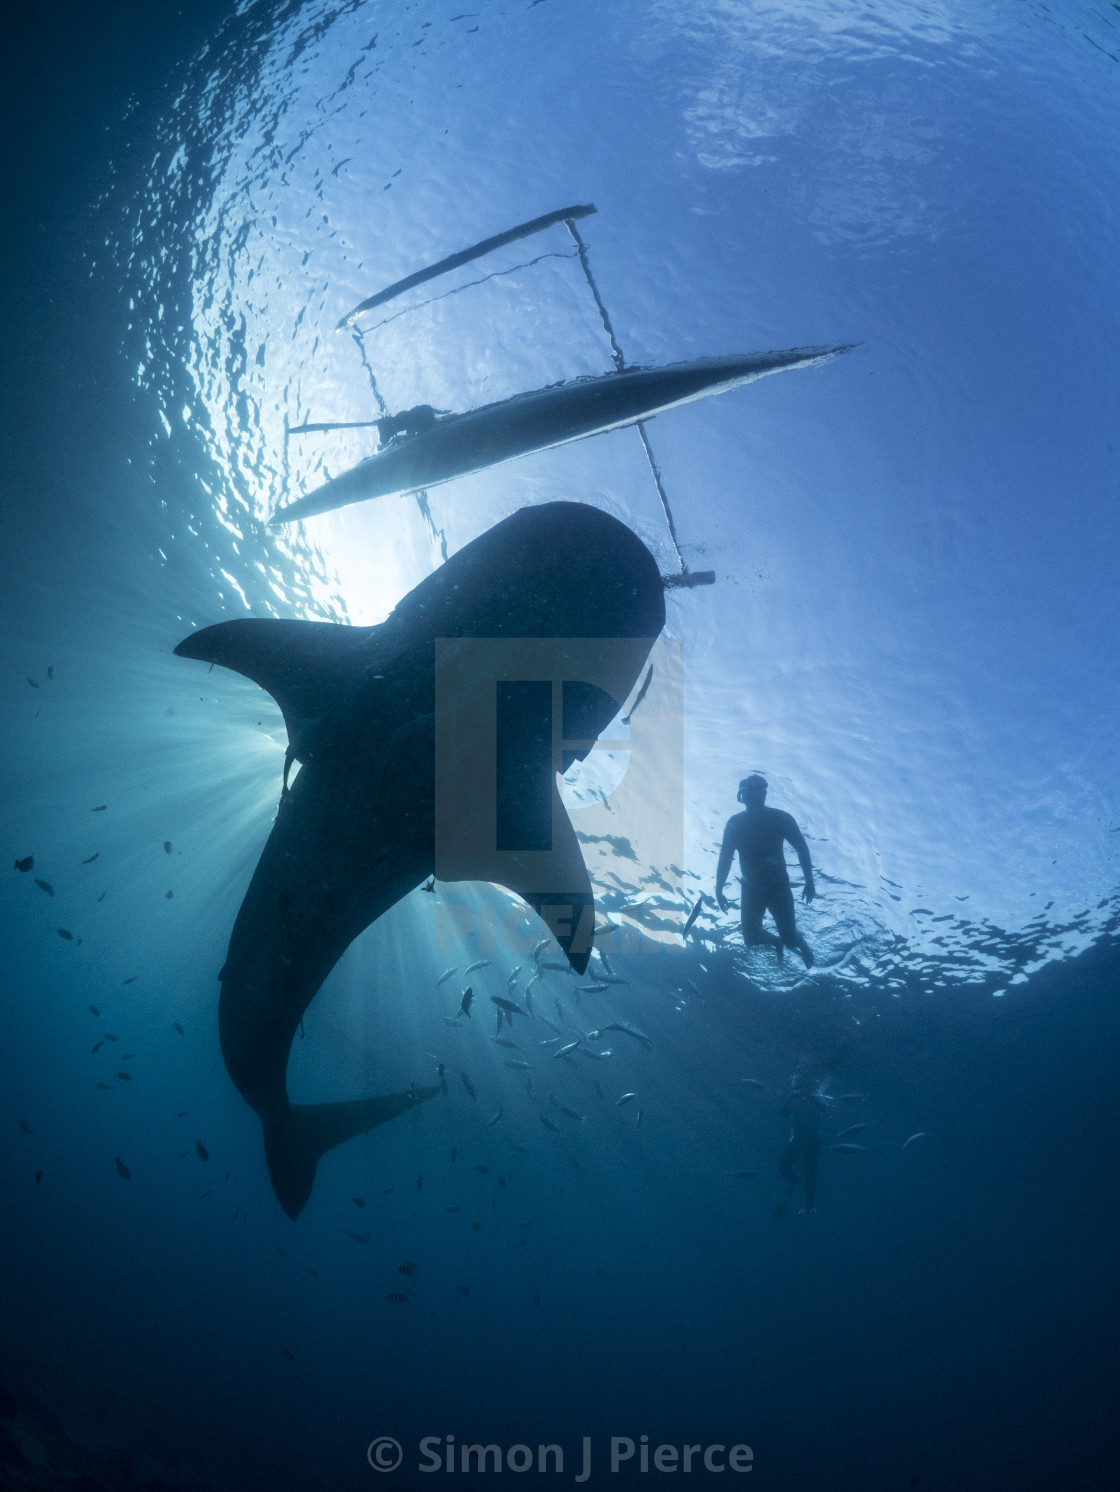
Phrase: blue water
x=913 y=633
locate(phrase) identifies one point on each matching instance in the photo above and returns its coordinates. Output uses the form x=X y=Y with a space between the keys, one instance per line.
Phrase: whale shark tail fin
x=294 y=1142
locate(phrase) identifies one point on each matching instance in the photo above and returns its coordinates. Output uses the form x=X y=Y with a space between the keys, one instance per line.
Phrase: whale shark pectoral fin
x=294 y=1141
x=305 y=666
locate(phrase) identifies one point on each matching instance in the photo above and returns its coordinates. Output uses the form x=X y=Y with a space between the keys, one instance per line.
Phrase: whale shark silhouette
x=355 y=832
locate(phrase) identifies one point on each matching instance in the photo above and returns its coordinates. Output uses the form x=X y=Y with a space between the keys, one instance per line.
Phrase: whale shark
x=355 y=831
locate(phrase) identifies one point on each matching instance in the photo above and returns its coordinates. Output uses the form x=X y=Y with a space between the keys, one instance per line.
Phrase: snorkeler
x=805 y=1105
x=759 y=835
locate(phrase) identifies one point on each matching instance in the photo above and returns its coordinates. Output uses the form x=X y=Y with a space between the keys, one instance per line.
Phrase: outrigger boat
x=457 y=445
x=423 y=447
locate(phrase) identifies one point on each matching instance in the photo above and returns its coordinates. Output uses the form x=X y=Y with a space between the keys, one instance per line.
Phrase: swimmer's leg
x=780 y=903
x=753 y=905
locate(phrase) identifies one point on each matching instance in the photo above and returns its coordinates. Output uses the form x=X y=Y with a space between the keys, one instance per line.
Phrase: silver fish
x=519 y=1066
x=495 y=1117
x=852 y=1129
x=626 y=1097
x=847 y=1148
x=445 y=976
x=564 y=1050
x=921 y=1134
x=548 y=1123
x=483 y=963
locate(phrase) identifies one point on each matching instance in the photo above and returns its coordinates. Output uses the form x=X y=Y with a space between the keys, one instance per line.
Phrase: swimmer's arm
x=726 y=855
x=797 y=840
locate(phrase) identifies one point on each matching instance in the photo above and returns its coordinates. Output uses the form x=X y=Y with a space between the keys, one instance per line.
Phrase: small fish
x=602 y=1056
x=454 y=1153
x=451 y=1209
x=122 y=1170
x=168 y=895
x=745 y=1175
x=628 y=1030
x=178 y=1028
x=93 y=1010
x=125 y=1077
x=291 y=1357
x=407 y=1268
x=103 y=895
x=358 y=1201
x=462 y=1289
x=25 y=1126
x=101 y=807
x=571 y=1114
x=26 y=864
x=45 y=886
x=518 y=1065
x=921 y=1134
x=626 y=1097
x=483 y=963
x=419 y=1183
x=50 y=671
x=850 y=1097
x=483 y=1170
x=38 y=1178
x=182 y=1114
x=529 y=1088
x=852 y=1129
x=528 y=1001
x=203 y=1195
x=203 y=1153
x=495 y=1118
x=465 y=1003
x=548 y=1123
x=511 y=977
x=564 y=1050
x=96 y=1048
x=167 y=846
x=592 y=989
x=505 y=1041
x=33 y=682
x=95 y=856
x=521 y=1149
x=556 y=968
x=358 y=1237
x=510 y=1007
x=752 y=1082
x=638 y=1117
x=65 y=933
x=110 y=1037
x=396 y=1297
x=692 y=916
x=102 y=1085
x=469 y=1086
x=847 y=1148
x=132 y=978
x=443 y=1079
x=445 y=976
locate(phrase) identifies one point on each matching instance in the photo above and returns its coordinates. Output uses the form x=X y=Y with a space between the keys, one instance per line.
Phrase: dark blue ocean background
x=914 y=632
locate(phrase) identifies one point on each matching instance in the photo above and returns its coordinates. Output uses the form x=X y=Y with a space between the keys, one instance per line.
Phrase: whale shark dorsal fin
x=305 y=666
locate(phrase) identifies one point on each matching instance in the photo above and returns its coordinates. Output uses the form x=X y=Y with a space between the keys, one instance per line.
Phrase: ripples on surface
x=898 y=612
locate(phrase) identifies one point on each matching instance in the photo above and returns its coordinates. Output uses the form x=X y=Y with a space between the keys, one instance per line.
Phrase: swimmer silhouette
x=803 y=1108
x=758 y=834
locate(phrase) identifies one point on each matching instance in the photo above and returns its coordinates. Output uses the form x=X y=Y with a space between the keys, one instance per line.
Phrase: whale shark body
x=456 y=445
x=356 y=831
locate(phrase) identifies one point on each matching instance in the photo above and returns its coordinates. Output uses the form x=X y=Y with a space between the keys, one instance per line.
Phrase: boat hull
x=459 y=445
